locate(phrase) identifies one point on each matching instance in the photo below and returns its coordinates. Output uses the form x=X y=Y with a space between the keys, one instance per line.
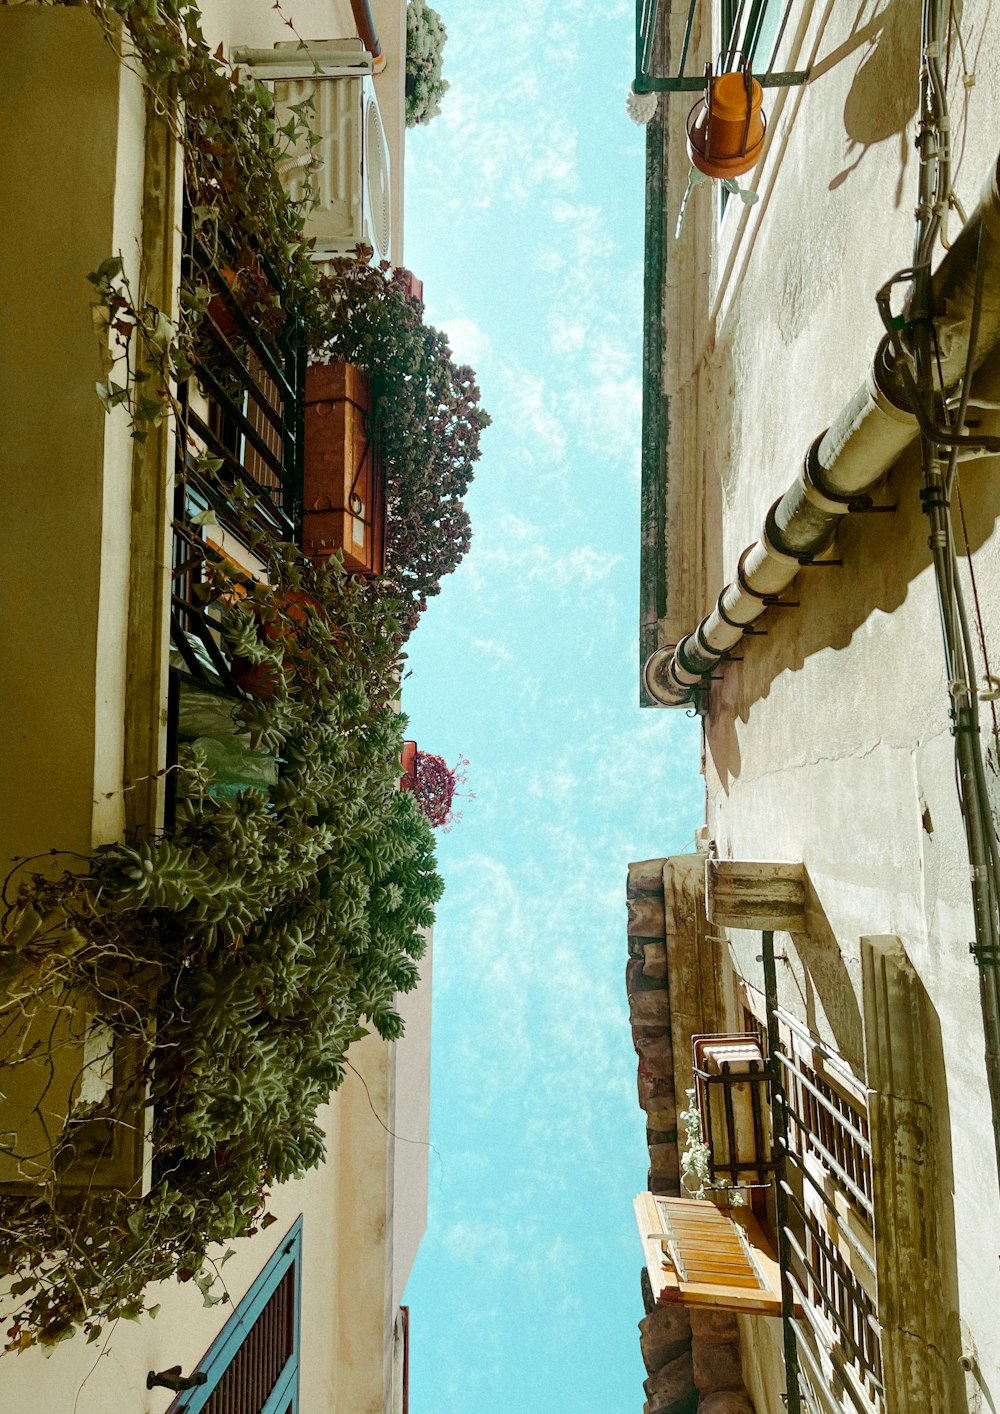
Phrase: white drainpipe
x=843 y=465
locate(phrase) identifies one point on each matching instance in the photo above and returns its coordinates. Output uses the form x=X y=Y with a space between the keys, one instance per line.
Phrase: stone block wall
x=692 y=1358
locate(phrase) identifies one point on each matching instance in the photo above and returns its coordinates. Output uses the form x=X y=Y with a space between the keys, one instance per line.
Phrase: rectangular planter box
x=343 y=478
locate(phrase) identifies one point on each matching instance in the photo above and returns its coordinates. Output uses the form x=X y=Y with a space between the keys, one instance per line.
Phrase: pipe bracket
x=733 y=623
x=771 y=539
x=812 y=484
x=680 y=657
x=706 y=647
x=663 y=694
x=741 y=579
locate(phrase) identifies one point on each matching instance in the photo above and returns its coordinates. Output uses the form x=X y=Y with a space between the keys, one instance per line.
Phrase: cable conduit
x=368 y=34
x=843 y=465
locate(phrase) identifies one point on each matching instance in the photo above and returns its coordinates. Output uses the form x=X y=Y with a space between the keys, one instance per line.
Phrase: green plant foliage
x=243 y=953
x=425 y=40
x=696 y=1180
x=240 y=955
x=428 y=419
x=230 y=138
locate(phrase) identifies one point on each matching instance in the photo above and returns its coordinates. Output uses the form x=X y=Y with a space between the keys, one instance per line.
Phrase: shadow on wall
x=827 y=980
x=931 y=1232
x=882 y=555
x=885 y=93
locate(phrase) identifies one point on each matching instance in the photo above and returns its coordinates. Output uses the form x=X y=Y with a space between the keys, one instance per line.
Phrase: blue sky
x=524 y=219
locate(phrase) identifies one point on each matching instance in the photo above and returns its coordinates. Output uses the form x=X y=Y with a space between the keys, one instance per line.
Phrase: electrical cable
x=939 y=477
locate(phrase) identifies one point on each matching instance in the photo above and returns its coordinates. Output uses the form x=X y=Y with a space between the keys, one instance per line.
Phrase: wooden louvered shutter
x=253 y=1366
x=702 y=1255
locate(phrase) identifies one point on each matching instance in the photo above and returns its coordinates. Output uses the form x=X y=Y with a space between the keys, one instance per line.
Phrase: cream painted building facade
x=85 y=539
x=821 y=687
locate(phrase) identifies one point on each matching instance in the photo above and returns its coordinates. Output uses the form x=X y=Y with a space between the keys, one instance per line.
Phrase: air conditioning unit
x=353 y=177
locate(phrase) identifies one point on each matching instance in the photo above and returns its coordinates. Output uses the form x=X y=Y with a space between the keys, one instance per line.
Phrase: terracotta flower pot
x=726 y=128
x=260 y=679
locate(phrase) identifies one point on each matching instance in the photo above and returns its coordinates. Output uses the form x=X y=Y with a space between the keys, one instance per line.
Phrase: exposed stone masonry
x=692 y=1358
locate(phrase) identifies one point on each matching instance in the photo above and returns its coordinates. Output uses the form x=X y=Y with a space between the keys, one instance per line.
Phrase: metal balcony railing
x=753 y=29
x=239 y=438
x=824 y=1218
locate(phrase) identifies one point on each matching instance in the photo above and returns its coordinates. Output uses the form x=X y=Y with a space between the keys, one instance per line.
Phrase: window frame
x=283 y=1398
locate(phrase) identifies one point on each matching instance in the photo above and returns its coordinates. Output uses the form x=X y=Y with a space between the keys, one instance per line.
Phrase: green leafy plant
x=425 y=40
x=141 y=352
x=696 y=177
x=696 y=1179
x=241 y=954
x=428 y=419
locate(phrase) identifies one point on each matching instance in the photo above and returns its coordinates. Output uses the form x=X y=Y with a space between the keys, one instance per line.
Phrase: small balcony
x=240 y=437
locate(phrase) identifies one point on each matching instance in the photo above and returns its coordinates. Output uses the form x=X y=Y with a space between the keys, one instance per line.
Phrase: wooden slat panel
x=712 y=1247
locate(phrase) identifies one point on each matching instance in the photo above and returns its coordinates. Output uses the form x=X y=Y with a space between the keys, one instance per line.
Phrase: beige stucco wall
x=347 y=1277
x=411 y=1123
x=72 y=197
x=830 y=742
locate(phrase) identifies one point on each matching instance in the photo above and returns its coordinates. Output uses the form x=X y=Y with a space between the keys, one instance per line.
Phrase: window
x=752 y=28
x=253 y=1366
x=832 y=1267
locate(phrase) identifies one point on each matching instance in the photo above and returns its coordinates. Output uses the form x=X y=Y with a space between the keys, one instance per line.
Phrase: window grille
x=756 y=28
x=253 y=1366
x=753 y=28
x=829 y=1194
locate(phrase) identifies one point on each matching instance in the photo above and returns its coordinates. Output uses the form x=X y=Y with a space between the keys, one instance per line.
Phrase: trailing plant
x=231 y=140
x=425 y=40
x=695 y=1153
x=427 y=414
x=696 y=178
x=696 y=1178
x=240 y=956
x=142 y=354
x=233 y=147
x=434 y=785
x=427 y=406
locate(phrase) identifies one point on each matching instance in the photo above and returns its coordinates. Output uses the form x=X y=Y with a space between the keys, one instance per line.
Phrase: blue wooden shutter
x=253 y=1365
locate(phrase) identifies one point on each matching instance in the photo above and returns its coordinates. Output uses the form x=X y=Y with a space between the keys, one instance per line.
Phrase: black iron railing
x=753 y=29
x=240 y=433
x=824 y=1217
x=239 y=438
x=244 y=405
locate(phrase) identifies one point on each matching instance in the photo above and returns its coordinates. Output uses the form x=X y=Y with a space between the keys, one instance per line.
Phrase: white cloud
x=494 y=649
x=469 y=343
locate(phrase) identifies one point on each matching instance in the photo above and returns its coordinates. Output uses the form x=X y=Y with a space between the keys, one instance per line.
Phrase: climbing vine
x=236 y=958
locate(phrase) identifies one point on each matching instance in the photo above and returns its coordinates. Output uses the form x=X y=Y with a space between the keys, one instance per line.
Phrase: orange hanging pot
x=726 y=128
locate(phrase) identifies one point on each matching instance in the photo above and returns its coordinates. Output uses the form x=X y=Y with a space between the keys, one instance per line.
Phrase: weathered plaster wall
x=73 y=190
x=830 y=742
x=692 y=1358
